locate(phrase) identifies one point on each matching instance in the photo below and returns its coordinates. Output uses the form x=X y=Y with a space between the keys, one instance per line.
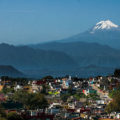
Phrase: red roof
x=71 y=110
x=84 y=110
x=40 y=82
x=2 y=97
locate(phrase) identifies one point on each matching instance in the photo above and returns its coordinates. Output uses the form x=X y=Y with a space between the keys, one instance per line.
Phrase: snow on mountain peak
x=104 y=25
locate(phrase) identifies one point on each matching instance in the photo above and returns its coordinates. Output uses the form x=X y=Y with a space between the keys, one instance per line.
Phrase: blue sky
x=34 y=21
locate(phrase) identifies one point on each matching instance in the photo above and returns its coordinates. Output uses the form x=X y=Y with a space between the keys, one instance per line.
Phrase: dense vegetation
x=114 y=105
x=30 y=100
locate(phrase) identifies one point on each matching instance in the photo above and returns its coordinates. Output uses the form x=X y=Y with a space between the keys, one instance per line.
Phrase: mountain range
x=94 y=52
x=98 y=46
x=86 y=54
x=24 y=57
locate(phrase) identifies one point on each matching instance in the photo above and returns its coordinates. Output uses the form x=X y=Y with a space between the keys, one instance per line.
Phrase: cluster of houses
x=73 y=108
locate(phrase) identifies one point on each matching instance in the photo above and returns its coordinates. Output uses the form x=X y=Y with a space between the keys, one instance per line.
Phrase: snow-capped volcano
x=104 y=25
x=104 y=32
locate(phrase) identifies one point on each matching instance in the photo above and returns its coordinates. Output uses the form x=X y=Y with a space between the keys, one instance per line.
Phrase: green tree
x=44 y=89
x=48 y=77
x=79 y=95
x=36 y=101
x=64 y=97
x=2 y=113
x=117 y=73
x=14 y=116
x=31 y=100
x=93 y=96
x=1 y=118
x=7 y=90
x=114 y=105
x=114 y=93
x=21 y=96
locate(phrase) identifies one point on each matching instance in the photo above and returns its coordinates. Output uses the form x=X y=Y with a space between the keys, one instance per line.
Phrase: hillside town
x=65 y=98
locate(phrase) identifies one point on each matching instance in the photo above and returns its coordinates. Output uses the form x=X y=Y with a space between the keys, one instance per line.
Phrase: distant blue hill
x=86 y=54
x=7 y=70
x=28 y=58
x=99 y=46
